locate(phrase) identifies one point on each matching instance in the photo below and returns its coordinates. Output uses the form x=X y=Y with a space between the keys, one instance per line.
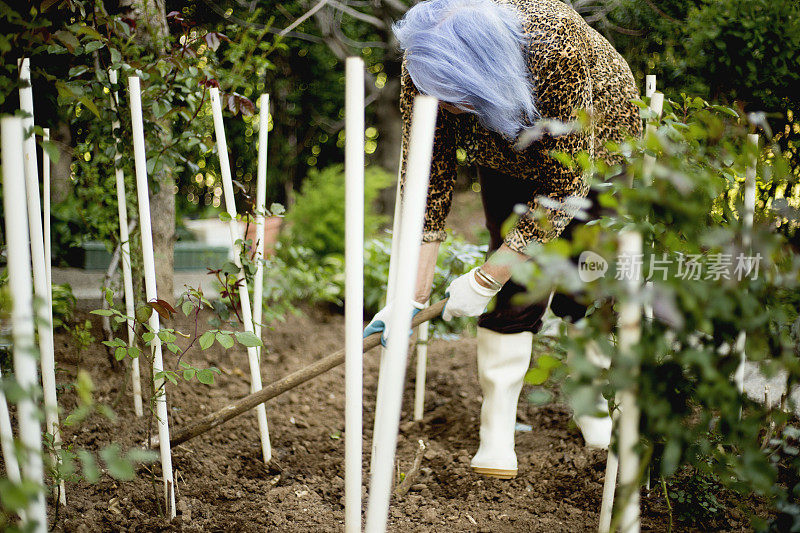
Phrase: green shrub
x=298 y=274
x=316 y=220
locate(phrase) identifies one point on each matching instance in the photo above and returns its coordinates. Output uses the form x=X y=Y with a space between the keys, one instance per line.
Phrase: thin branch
x=302 y=19
x=283 y=33
x=657 y=10
x=369 y=19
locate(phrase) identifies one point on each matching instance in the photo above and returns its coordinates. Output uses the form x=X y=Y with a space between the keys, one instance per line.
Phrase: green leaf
x=69 y=40
x=189 y=373
x=225 y=340
x=90 y=105
x=206 y=376
x=120 y=353
x=103 y=312
x=206 y=340
x=134 y=352
x=536 y=376
x=93 y=46
x=248 y=338
x=224 y=216
x=143 y=314
x=187 y=307
x=547 y=362
x=148 y=336
x=119 y=467
x=116 y=57
x=277 y=209
x=109 y=296
x=166 y=336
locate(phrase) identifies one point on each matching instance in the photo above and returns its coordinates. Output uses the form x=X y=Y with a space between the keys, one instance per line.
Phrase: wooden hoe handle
x=289 y=382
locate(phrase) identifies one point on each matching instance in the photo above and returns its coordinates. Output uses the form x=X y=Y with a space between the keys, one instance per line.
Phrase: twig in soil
x=669 y=505
x=412 y=474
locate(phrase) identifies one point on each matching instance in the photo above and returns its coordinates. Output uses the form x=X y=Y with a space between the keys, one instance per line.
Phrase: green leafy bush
x=316 y=220
x=682 y=368
x=297 y=274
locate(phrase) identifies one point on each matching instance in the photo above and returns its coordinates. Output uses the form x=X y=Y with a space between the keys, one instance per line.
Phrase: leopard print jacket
x=573 y=68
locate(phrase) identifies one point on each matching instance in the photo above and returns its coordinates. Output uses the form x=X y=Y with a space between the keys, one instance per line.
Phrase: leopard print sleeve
x=561 y=70
x=443 y=165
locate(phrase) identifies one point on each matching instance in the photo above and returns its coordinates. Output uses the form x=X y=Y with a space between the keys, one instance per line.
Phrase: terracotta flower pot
x=272 y=227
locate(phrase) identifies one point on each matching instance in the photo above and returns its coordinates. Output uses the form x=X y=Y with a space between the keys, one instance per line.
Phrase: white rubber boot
x=503 y=360
x=596 y=430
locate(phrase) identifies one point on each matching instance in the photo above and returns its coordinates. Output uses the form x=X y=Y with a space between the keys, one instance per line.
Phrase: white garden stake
x=7 y=440
x=649 y=85
x=19 y=283
x=354 y=289
x=390 y=286
x=244 y=295
x=48 y=256
x=148 y=262
x=422 y=363
x=125 y=259
x=747 y=241
x=41 y=286
x=629 y=331
x=261 y=200
x=413 y=210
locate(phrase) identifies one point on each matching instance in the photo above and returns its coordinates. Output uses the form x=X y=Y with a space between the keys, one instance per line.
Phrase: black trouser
x=500 y=193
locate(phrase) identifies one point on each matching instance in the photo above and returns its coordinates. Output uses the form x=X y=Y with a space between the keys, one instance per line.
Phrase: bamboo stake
x=41 y=286
x=629 y=331
x=145 y=229
x=422 y=363
x=260 y=207
x=22 y=315
x=747 y=241
x=413 y=211
x=354 y=289
x=287 y=383
x=125 y=251
x=244 y=294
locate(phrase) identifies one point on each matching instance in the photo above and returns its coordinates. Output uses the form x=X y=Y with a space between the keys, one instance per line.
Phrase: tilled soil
x=222 y=484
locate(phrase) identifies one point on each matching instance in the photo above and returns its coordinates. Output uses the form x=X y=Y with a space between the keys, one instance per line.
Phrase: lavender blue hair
x=470 y=53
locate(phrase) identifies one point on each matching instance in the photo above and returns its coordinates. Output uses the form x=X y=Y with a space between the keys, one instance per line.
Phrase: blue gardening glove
x=380 y=322
x=467 y=297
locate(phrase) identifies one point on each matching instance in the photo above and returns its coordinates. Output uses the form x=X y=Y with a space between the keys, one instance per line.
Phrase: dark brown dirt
x=222 y=485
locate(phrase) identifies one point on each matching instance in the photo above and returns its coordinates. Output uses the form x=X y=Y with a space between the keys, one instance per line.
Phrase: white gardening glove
x=380 y=322
x=467 y=296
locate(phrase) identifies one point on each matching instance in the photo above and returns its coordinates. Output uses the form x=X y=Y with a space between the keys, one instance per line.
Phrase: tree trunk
x=152 y=30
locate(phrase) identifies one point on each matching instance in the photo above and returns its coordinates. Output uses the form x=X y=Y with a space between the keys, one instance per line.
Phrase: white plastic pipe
x=46 y=212
x=609 y=487
x=149 y=265
x=390 y=285
x=7 y=439
x=629 y=331
x=41 y=285
x=649 y=85
x=416 y=188
x=747 y=240
x=261 y=200
x=125 y=257
x=422 y=366
x=354 y=289
x=244 y=294
x=19 y=283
